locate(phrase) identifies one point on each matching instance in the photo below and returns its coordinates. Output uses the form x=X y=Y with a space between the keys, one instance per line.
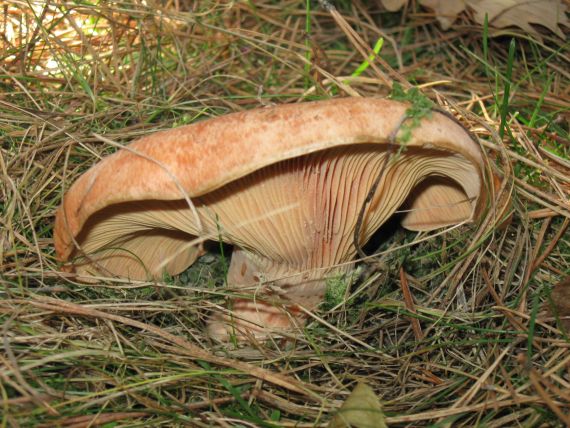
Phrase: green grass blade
x=366 y=63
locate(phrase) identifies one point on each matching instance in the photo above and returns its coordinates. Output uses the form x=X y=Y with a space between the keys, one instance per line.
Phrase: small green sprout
x=366 y=63
x=336 y=290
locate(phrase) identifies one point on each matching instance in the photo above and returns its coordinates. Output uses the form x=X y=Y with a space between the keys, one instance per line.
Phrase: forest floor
x=460 y=328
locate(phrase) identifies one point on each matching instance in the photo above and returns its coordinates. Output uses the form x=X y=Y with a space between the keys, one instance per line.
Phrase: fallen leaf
x=362 y=409
x=446 y=11
x=521 y=13
x=393 y=5
x=560 y=299
x=550 y=14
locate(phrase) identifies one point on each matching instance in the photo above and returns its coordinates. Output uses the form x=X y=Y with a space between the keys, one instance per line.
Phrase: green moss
x=420 y=107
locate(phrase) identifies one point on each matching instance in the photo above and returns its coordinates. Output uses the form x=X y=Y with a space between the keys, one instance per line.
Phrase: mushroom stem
x=267 y=297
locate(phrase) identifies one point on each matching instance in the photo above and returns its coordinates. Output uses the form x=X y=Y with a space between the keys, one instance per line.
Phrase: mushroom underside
x=294 y=219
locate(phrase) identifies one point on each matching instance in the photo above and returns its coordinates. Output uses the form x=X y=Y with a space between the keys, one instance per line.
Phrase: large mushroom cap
x=284 y=183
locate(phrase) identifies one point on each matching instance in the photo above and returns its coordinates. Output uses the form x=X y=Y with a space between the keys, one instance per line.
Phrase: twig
x=410 y=306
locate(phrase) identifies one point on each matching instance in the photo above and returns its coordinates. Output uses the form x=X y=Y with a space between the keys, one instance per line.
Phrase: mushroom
x=284 y=185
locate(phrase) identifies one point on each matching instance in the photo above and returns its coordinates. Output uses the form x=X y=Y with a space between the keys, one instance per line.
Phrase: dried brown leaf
x=446 y=11
x=362 y=409
x=560 y=299
x=393 y=5
x=521 y=13
x=550 y=14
